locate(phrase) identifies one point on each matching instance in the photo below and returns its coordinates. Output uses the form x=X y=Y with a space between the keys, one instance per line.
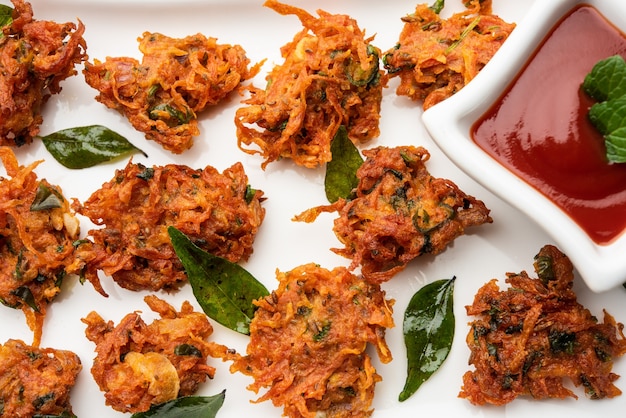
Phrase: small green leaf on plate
x=224 y=290
x=87 y=146
x=341 y=171
x=6 y=17
x=428 y=333
x=187 y=407
x=64 y=414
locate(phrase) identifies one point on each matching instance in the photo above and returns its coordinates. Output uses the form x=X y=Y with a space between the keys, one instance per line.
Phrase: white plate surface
x=507 y=245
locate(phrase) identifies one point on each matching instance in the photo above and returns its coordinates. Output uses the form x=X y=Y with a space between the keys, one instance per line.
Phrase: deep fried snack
x=37 y=236
x=399 y=211
x=308 y=343
x=35 y=56
x=176 y=80
x=36 y=381
x=138 y=365
x=528 y=339
x=330 y=77
x=219 y=212
x=436 y=57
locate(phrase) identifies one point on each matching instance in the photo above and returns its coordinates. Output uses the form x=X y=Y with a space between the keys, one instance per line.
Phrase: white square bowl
x=602 y=267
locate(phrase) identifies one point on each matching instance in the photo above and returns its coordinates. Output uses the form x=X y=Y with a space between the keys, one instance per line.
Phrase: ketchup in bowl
x=539 y=127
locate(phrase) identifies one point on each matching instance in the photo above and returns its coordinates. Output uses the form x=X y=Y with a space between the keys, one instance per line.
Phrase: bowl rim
x=602 y=267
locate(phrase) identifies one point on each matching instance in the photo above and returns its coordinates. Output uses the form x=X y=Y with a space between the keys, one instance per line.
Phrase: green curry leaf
x=64 y=414
x=6 y=17
x=26 y=295
x=86 y=146
x=186 y=406
x=428 y=333
x=224 y=290
x=46 y=198
x=341 y=171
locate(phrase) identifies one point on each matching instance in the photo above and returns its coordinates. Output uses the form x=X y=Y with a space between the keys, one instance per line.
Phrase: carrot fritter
x=36 y=382
x=219 y=212
x=38 y=234
x=35 y=56
x=308 y=343
x=533 y=336
x=436 y=57
x=399 y=211
x=330 y=77
x=176 y=80
x=138 y=365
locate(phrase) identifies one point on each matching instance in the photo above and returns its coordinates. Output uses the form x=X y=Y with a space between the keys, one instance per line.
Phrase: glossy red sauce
x=539 y=128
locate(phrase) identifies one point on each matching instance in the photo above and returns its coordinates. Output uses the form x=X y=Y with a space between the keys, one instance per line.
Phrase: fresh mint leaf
x=608 y=116
x=616 y=146
x=607 y=79
x=606 y=83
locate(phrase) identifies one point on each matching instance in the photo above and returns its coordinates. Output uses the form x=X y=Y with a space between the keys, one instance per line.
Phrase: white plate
x=508 y=244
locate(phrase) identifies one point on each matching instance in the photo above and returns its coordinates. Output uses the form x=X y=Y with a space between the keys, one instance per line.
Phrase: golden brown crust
x=399 y=212
x=308 y=343
x=437 y=57
x=36 y=381
x=37 y=243
x=176 y=80
x=35 y=56
x=138 y=364
x=530 y=338
x=330 y=77
x=218 y=211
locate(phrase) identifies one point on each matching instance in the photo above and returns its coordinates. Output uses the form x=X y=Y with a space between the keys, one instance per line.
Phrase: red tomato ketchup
x=539 y=127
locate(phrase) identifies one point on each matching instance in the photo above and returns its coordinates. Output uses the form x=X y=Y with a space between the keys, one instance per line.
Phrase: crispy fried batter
x=330 y=77
x=218 y=211
x=308 y=343
x=436 y=57
x=138 y=364
x=399 y=211
x=36 y=381
x=176 y=80
x=531 y=337
x=35 y=56
x=37 y=234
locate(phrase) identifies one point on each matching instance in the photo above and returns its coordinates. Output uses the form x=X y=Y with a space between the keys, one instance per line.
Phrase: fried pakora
x=308 y=343
x=399 y=211
x=436 y=57
x=138 y=365
x=162 y=95
x=36 y=381
x=529 y=339
x=330 y=77
x=219 y=212
x=35 y=56
x=38 y=248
